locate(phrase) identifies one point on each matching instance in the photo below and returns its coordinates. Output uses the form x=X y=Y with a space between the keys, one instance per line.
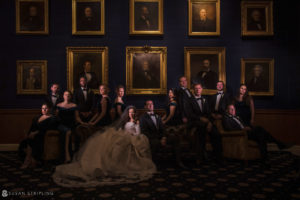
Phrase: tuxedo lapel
x=151 y=121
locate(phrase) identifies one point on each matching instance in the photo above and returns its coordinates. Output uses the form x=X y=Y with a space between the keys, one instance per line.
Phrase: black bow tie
x=200 y=98
x=54 y=96
x=84 y=89
x=152 y=114
x=220 y=93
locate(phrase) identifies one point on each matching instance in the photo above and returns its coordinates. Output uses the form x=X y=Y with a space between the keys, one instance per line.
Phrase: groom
x=152 y=126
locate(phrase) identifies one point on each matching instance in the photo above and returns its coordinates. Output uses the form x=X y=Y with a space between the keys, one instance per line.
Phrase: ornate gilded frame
x=46 y=18
x=190 y=11
x=132 y=30
x=268 y=6
x=220 y=51
x=270 y=62
x=130 y=51
x=70 y=63
x=74 y=20
x=20 y=70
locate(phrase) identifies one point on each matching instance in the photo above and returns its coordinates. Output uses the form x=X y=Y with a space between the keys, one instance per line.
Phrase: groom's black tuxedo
x=149 y=129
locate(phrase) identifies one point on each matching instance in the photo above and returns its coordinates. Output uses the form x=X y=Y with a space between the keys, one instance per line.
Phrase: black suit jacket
x=184 y=102
x=149 y=129
x=230 y=124
x=196 y=111
x=84 y=106
x=224 y=101
x=48 y=100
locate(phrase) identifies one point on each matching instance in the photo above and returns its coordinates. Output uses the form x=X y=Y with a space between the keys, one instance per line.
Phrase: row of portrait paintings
x=146 y=70
x=145 y=17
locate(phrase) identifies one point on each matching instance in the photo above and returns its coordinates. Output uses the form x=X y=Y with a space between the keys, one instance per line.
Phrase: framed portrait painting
x=88 y=17
x=258 y=75
x=146 y=69
x=146 y=17
x=257 y=18
x=204 y=17
x=88 y=62
x=31 y=77
x=32 y=17
x=205 y=65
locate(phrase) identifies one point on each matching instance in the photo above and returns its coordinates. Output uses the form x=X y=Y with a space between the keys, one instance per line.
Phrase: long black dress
x=67 y=118
x=37 y=143
x=123 y=106
x=106 y=120
x=243 y=110
x=176 y=119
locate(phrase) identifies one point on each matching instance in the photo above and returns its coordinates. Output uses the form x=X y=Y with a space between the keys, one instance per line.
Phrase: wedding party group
x=105 y=142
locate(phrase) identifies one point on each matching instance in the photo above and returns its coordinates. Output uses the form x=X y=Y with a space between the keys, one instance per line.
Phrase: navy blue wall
x=283 y=46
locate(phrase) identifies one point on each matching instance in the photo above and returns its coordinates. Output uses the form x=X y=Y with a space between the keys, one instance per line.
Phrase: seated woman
x=33 y=145
x=244 y=105
x=118 y=155
x=119 y=105
x=102 y=117
x=172 y=116
x=68 y=116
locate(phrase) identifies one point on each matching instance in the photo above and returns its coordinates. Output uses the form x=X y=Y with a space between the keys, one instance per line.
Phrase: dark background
x=283 y=46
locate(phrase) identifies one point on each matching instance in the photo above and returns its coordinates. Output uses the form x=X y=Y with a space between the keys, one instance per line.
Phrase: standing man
x=219 y=101
x=200 y=118
x=84 y=98
x=54 y=97
x=152 y=126
x=184 y=95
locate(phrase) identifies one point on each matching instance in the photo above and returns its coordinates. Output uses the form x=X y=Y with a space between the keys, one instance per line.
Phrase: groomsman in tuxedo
x=85 y=99
x=183 y=97
x=54 y=97
x=232 y=122
x=200 y=118
x=152 y=126
x=219 y=101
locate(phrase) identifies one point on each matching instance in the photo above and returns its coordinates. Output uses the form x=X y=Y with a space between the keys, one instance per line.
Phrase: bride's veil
x=120 y=123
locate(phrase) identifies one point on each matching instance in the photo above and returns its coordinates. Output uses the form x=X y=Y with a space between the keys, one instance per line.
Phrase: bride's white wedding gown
x=109 y=158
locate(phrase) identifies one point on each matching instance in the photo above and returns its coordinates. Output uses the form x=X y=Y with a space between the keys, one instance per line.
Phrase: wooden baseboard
x=9 y=147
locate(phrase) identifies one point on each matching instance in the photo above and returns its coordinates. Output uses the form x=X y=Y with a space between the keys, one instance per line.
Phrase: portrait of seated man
x=256 y=20
x=258 y=81
x=146 y=75
x=32 y=79
x=91 y=77
x=32 y=17
x=202 y=23
x=146 y=16
x=88 y=17
x=207 y=77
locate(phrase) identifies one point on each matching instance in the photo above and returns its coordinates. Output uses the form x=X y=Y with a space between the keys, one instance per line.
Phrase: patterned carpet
x=210 y=181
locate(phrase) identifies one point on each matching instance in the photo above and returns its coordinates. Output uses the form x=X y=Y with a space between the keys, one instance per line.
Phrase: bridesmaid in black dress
x=102 y=117
x=172 y=116
x=119 y=104
x=68 y=116
x=244 y=105
x=34 y=142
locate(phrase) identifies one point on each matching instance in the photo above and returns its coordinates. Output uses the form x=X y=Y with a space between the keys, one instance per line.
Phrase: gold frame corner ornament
x=190 y=18
x=270 y=62
x=74 y=19
x=220 y=51
x=20 y=66
x=268 y=6
x=132 y=30
x=130 y=51
x=46 y=18
x=70 y=64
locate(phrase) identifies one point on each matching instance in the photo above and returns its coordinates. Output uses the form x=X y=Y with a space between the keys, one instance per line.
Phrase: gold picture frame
x=32 y=17
x=204 y=17
x=96 y=58
x=258 y=75
x=210 y=60
x=31 y=77
x=146 y=70
x=146 y=17
x=257 y=18
x=88 y=17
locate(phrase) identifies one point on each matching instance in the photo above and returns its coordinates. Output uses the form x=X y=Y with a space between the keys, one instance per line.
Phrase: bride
x=119 y=155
